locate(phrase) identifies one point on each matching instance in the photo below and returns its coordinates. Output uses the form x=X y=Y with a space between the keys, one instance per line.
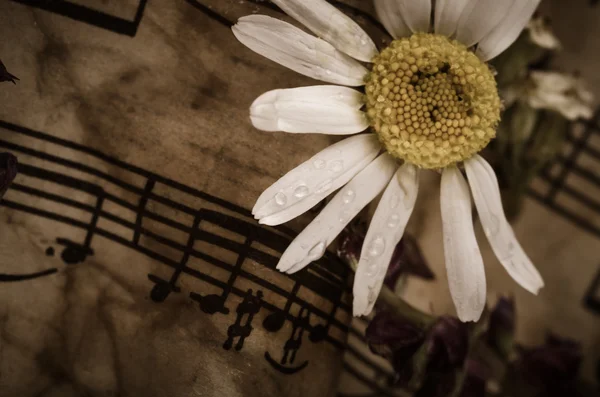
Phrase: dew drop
x=494 y=226
x=372 y=295
x=394 y=201
x=324 y=186
x=337 y=166
x=509 y=253
x=349 y=196
x=319 y=164
x=345 y=216
x=301 y=191
x=393 y=221
x=316 y=251
x=280 y=199
x=371 y=270
x=377 y=246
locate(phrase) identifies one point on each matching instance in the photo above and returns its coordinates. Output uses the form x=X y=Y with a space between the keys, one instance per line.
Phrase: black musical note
x=248 y=308
x=140 y=210
x=274 y=321
x=75 y=253
x=325 y=280
x=162 y=288
x=292 y=345
x=319 y=332
x=213 y=303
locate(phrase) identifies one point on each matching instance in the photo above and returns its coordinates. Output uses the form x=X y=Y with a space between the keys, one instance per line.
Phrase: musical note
x=319 y=332
x=75 y=253
x=248 y=308
x=213 y=303
x=292 y=345
x=324 y=281
x=162 y=289
x=274 y=321
x=140 y=210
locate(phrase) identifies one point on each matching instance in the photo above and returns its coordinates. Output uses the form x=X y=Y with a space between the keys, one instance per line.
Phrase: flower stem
x=398 y=306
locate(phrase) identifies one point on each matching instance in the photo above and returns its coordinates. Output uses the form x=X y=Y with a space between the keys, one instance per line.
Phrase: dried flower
x=555 y=363
x=389 y=335
x=407 y=259
x=500 y=335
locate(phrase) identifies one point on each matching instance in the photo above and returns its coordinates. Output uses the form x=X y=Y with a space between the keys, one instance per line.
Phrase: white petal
x=291 y=47
x=416 y=14
x=306 y=185
x=390 y=15
x=447 y=15
x=542 y=35
x=486 y=194
x=508 y=30
x=385 y=231
x=464 y=264
x=552 y=81
x=310 y=245
x=480 y=17
x=332 y=25
x=325 y=109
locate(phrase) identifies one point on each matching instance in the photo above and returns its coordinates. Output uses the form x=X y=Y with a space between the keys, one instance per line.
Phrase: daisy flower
x=430 y=102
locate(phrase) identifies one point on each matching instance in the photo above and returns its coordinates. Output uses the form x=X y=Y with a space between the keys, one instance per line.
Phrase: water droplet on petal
x=348 y=196
x=371 y=270
x=372 y=295
x=406 y=195
x=394 y=201
x=324 y=186
x=345 y=216
x=317 y=251
x=494 y=227
x=301 y=191
x=280 y=199
x=337 y=166
x=377 y=246
x=319 y=164
x=393 y=221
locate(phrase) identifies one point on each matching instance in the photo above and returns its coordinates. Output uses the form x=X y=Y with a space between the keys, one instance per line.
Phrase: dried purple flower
x=389 y=335
x=501 y=331
x=407 y=258
x=477 y=374
x=555 y=363
x=447 y=343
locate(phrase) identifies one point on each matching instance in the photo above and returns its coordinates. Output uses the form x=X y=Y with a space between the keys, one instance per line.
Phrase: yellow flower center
x=431 y=101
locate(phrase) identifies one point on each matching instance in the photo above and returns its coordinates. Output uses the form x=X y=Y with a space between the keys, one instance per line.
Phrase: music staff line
x=269 y=239
x=138 y=231
x=91 y=16
x=349 y=9
x=336 y=269
x=235 y=247
x=568 y=165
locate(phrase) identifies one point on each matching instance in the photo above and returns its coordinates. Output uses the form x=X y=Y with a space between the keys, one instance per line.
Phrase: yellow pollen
x=431 y=101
